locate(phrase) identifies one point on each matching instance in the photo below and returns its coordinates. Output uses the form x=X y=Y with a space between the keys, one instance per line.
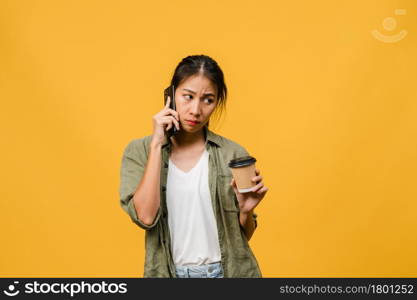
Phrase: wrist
x=155 y=144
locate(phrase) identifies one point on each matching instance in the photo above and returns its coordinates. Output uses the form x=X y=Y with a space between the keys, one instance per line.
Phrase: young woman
x=181 y=190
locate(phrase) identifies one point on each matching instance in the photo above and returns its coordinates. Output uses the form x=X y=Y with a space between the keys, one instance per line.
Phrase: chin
x=192 y=129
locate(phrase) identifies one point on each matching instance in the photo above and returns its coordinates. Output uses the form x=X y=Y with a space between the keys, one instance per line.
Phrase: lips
x=191 y=122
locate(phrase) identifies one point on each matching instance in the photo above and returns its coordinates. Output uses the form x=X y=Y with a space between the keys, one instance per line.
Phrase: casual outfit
x=196 y=232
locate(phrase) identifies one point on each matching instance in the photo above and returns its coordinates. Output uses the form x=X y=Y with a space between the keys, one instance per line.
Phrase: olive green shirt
x=237 y=257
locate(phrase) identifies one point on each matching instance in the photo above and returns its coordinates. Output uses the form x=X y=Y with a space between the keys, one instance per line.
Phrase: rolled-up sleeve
x=132 y=169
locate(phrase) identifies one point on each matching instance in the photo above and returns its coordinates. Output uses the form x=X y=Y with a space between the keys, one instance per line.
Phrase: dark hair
x=205 y=65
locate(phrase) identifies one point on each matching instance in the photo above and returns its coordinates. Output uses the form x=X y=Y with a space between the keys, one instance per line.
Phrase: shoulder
x=231 y=146
x=228 y=149
x=137 y=146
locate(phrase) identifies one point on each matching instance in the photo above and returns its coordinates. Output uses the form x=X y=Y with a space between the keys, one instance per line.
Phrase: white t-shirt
x=191 y=220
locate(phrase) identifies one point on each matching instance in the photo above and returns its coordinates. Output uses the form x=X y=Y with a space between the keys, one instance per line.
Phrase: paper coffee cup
x=243 y=170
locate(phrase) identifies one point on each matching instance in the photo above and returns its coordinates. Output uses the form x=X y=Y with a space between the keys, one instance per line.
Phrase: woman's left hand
x=248 y=201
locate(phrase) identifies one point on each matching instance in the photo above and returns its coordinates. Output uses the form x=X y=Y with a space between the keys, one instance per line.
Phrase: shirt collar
x=210 y=137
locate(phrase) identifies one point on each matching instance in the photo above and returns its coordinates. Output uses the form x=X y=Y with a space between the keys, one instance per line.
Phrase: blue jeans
x=213 y=270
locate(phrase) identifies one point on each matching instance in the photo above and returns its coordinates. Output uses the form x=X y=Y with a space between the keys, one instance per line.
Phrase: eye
x=187 y=95
x=209 y=100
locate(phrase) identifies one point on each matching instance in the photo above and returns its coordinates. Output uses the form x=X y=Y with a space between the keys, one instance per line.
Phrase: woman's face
x=196 y=99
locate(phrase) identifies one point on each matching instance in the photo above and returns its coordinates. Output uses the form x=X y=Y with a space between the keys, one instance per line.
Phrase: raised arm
x=140 y=177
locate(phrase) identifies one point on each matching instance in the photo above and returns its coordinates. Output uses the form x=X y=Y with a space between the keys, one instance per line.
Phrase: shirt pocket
x=227 y=194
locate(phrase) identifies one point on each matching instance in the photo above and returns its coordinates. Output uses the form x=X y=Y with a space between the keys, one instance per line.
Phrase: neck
x=185 y=139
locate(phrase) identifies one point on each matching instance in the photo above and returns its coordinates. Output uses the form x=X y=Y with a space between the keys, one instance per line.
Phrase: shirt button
x=164 y=188
x=165 y=165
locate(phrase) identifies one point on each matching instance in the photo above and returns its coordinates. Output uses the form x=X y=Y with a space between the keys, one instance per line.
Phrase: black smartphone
x=170 y=91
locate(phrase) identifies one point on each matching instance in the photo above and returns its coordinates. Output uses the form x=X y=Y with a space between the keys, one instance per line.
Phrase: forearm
x=147 y=195
x=247 y=223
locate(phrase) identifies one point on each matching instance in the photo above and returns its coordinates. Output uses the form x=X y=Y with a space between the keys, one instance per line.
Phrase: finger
x=233 y=183
x=168 y=102
x=177 y=124
x=171 y=113
x=257 y=187
x=262 y=190
x=257 y=178
x=171 y=119
x=174 y=113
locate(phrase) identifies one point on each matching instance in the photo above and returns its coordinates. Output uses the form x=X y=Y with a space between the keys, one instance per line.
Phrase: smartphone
x=170 y=91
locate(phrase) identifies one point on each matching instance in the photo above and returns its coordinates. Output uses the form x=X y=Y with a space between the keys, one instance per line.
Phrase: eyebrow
x=210 y=94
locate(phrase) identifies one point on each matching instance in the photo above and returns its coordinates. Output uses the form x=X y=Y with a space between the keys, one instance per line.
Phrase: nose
x=195 y=108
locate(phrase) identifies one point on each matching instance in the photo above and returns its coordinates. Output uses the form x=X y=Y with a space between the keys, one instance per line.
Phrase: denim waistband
x=200 y=267
x=200 y=271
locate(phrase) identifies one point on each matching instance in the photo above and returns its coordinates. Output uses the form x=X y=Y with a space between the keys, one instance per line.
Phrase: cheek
x=211 y=111
x=180 y=111
x=181 y=104
x=178 y=104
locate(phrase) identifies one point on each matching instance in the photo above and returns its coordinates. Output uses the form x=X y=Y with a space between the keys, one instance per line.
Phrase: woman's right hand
x=163 y=121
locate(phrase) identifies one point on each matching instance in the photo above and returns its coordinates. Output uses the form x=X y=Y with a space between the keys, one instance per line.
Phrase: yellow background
x=328 y=110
